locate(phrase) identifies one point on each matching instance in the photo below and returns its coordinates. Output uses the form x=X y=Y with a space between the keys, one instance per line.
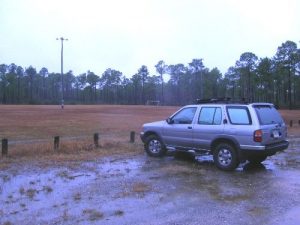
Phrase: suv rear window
x=267 y=114
x=239 y=115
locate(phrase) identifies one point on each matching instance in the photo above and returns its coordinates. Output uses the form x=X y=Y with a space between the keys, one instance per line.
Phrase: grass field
x=33 y=128
x=19 y=123
x=39 y=122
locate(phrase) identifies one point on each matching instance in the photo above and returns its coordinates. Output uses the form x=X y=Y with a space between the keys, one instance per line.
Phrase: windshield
x=267 y=114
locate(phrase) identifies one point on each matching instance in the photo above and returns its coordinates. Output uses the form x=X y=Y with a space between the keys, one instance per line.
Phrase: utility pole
x=62 y=69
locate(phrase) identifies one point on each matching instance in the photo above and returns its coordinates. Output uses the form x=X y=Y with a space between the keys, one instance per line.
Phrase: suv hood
x=155 y=124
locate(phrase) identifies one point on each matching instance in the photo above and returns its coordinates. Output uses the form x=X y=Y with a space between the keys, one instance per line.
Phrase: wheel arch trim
x=148 y=133
x=225 y=139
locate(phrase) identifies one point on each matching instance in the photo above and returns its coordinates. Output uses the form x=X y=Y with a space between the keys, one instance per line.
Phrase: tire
x=154 y=146
x=225 y=157
x=257 y=159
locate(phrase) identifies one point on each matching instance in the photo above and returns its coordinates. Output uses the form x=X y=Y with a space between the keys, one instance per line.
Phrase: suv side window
x=210 y=116
x=239 y=115
x=185 y=116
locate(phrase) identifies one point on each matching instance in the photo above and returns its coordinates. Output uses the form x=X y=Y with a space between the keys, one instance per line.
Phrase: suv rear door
x=208 y=126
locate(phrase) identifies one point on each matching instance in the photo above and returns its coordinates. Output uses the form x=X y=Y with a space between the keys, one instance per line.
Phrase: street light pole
x=62 y=69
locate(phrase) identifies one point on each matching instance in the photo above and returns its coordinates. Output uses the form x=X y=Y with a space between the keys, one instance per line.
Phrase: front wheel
x=225 y=157
x=154 y=146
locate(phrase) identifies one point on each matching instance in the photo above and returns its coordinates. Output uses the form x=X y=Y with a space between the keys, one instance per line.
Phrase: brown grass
x=30 y=130
x=74 y=151
x=41 y=122
x=21 y=123
x=26 y=122
x=293 y=115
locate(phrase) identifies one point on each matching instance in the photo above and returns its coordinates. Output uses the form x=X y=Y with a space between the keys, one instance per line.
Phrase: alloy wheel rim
x=224 y=157
x=154 y=146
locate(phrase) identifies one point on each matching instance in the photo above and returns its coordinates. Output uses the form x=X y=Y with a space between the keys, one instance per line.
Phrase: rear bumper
x=265 y=150
x=278 y=146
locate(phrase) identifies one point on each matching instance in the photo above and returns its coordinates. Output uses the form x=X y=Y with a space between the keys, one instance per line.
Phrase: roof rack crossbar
x=225 y=100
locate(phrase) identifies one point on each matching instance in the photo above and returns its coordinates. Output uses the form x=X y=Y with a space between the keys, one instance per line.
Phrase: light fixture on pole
x=62 y=69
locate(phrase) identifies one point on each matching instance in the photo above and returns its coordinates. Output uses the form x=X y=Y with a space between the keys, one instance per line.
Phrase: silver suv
x=231 y=132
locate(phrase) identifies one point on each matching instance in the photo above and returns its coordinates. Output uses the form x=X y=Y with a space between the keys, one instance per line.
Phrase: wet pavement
x=143 y=190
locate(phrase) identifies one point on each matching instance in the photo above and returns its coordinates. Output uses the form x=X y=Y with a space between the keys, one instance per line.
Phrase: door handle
x=190 y=127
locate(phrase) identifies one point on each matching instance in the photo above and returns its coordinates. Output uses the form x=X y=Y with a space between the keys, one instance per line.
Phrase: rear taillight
x=257 y=137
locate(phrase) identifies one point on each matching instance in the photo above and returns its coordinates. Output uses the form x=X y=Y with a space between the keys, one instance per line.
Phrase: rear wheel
x=225 y=157
x=154 y=146
x=257 y=159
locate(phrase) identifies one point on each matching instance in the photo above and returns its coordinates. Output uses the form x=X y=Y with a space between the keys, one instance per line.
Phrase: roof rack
x=225 y=100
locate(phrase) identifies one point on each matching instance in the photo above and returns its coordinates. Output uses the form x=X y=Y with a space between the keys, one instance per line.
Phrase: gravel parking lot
x=142 y=190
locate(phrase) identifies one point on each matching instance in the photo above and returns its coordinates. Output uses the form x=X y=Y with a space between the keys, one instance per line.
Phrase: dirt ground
x=138 y=189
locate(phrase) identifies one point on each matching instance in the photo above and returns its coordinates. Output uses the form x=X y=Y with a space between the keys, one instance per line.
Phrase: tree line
x=274 y=79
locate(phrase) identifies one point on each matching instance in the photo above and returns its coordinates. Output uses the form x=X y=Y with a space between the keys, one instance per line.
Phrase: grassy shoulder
x=44 y=155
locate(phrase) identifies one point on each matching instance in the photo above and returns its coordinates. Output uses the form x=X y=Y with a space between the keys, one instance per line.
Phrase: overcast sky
x=126 y=34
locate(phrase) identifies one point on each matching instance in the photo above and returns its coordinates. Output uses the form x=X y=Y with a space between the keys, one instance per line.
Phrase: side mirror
x=225 y=121
x=170 y=121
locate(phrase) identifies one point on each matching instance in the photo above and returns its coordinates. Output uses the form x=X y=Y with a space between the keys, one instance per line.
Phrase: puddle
x=34 y=191
x=145 y=190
